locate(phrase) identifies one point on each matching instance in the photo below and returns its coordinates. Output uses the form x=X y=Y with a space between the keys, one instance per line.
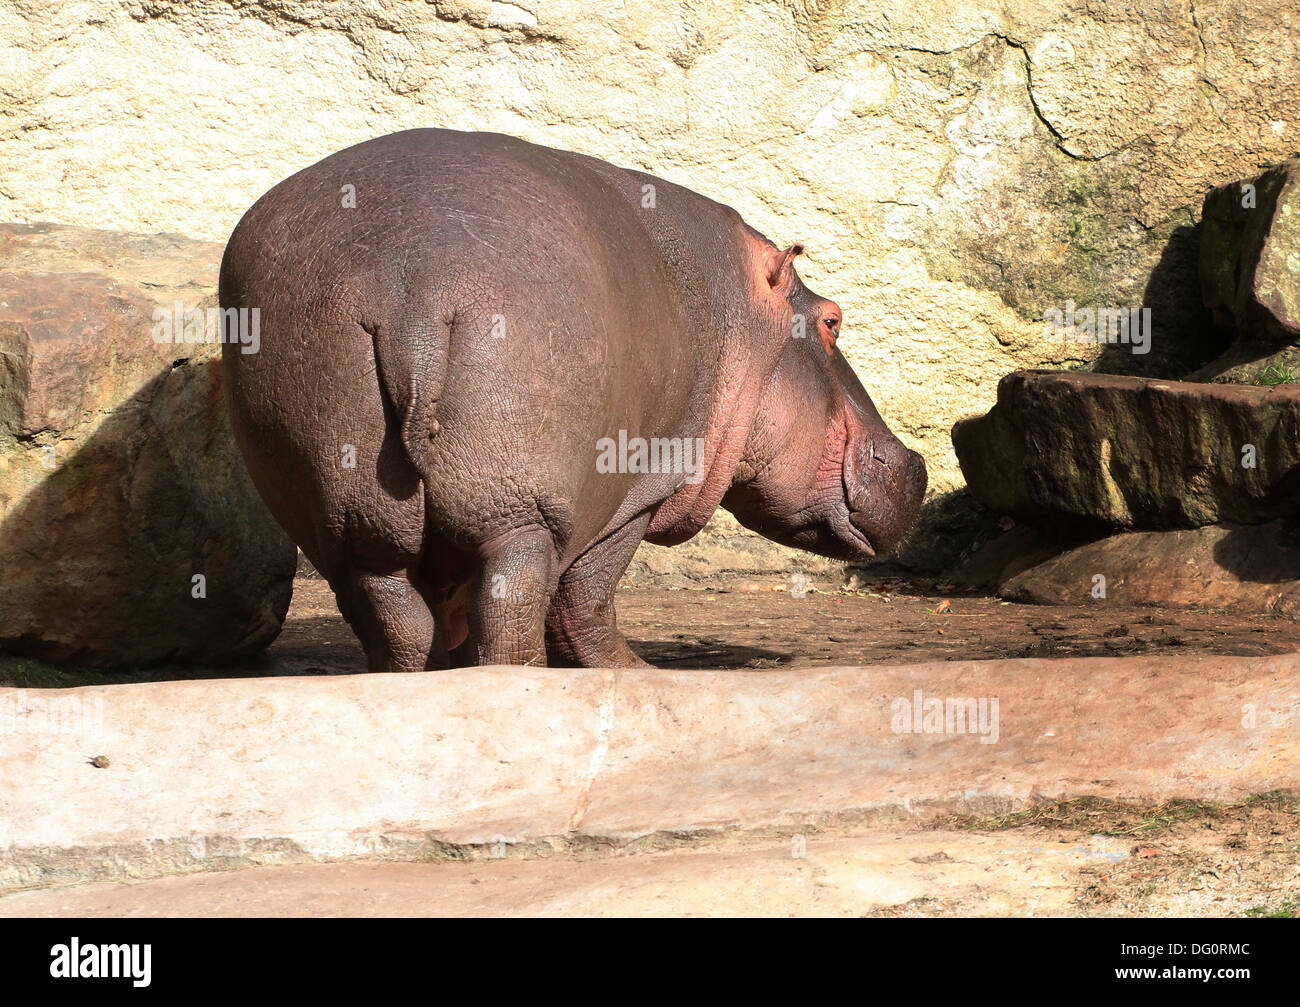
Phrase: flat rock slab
x=136 y=780
x=1064 y=448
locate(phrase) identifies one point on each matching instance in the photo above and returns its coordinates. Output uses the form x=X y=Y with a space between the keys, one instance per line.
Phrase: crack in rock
x=604 y=727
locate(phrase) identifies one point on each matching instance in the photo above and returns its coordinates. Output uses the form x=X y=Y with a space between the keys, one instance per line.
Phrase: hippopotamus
x=487 y=370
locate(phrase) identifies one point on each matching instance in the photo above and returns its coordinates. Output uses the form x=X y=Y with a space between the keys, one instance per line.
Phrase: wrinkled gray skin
x=488 y=311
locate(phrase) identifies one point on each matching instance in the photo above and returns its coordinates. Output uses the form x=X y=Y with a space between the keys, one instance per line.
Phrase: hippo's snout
x=884 y=485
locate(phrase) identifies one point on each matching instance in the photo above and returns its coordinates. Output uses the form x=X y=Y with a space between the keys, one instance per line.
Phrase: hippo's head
x=821 y=470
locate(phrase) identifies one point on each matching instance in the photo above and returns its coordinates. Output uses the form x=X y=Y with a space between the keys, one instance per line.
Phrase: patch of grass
x=1286 y=911
x=1277 y=800
x=1106 y=817
x=1166 y=815
x=1276 y=374
x=28 y=673
x=23 y=673
x=1077 y=812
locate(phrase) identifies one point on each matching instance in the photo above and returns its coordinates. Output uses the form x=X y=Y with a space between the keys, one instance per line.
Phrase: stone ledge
x=217 y=772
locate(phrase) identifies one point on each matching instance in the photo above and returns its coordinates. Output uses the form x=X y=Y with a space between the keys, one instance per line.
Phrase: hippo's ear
x=779 y=266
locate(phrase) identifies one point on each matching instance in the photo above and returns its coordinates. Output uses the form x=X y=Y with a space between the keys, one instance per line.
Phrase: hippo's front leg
x=512 y=594
x=582 y=628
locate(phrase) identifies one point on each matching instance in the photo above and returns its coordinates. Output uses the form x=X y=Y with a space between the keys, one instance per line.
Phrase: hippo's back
x=367 y=224
x=513 y=285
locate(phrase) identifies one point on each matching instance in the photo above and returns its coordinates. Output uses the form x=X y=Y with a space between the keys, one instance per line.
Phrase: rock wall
x=954 y=168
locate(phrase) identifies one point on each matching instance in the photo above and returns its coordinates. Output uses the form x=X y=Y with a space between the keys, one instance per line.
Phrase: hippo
x=488 y=370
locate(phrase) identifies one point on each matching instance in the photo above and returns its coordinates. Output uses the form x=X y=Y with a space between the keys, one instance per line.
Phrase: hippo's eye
x=830 y=333
x=831 y=323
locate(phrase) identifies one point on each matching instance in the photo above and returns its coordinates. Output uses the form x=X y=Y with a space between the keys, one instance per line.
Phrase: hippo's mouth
x=855 y=531
x=884 y=484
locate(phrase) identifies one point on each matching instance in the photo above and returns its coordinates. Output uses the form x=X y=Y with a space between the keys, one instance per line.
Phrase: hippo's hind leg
x=392 y=620
x=582 y=627
x=512 y=593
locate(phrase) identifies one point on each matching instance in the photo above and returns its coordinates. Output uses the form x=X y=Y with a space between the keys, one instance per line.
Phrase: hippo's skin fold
x=464 y=338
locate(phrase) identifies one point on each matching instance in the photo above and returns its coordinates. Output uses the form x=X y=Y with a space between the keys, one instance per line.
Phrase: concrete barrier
x=139 y=780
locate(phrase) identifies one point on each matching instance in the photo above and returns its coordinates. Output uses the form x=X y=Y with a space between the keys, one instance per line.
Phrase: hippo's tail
x=411 y=358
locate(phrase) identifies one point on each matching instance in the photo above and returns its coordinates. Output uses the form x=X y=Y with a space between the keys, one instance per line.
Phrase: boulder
x=1253 y=568
x=1248 y=568
x=1249 y=267
x=130 y=533
x=1078 y=451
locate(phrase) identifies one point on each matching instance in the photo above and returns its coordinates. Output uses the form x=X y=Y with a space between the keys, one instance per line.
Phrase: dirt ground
x=1079 y=858
x=758 y=624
